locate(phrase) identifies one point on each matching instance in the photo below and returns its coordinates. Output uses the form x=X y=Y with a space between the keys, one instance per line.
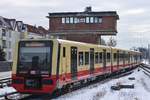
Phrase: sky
x=133 y=25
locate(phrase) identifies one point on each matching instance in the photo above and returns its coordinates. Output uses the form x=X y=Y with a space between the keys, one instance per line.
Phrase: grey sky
x=133 y=26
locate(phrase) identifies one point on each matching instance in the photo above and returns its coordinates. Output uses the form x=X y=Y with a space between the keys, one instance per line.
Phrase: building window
x=99 y=20
x=86 y=58
x=81 y=20
x=3 y=32
x=87 y=20
x=80 y=58
x=4 y=43
x=71 y=19
x=9 y=44
x=63 y=20
x=9 y=55
x=75 y=20
x=10 y=34
x=91 y=19
x=67 y=20
x=96 y=20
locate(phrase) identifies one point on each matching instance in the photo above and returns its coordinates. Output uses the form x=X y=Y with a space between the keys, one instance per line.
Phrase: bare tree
x=112 y=42
x=103 y=42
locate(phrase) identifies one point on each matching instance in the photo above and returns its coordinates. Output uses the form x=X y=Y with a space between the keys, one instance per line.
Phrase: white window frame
x=63 y=20
x=91 y=19
x=87 y=19
x=71 y=20
x=76 y=20
x=100 y=20
x=96 y=20
x=67 y=20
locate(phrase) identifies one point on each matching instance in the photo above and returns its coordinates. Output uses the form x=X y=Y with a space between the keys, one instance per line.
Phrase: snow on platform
x=100 y=91
x=5 y=75
x=6 y=90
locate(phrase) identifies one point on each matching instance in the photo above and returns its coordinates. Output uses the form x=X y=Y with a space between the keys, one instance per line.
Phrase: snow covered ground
x=6 y=90
x=5 y=75
x=104 y=92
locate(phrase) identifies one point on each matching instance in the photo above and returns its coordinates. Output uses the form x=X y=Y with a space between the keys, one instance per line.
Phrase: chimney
x=88 y=9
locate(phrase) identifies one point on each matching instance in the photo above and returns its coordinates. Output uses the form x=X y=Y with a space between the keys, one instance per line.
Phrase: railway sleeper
x=118 y=87
x=131 y=78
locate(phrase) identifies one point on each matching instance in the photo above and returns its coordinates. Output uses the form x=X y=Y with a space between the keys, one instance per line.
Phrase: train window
x=100 y=57
x=96 y=57
x=115 y=57
x=128 y=58
x=35 y=55
x=80 y=58
x=86 y=58
x=64 y=52
x=125 y=56
x=120 y=56
x=108 y=57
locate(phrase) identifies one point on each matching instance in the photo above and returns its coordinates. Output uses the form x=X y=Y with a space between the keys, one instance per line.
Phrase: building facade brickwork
x=85 y=26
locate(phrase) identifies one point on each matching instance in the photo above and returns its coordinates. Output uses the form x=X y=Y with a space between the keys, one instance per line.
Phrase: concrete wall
x=5 y=66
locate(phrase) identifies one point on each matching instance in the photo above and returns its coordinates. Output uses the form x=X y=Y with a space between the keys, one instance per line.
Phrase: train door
x=64 y=63
x=112 y=59
x=91 y=60
x=118 y=59
x=104 y=58
x=128 y=58
x=74 y=62
x=124 y=58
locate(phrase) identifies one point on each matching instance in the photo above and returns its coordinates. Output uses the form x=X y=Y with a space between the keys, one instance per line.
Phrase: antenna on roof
x=88 y=9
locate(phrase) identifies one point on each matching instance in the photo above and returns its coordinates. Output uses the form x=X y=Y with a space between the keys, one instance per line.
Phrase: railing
x=5 y=82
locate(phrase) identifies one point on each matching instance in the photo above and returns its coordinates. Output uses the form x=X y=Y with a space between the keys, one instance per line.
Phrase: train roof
x=80 y=43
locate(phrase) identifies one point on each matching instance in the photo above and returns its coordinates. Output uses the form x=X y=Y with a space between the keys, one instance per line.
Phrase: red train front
x=32 y=67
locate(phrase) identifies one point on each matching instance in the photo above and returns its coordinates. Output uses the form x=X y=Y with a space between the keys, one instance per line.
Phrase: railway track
x=146 y=69
x=5 y=82
x=18 y=96
x=14 y=95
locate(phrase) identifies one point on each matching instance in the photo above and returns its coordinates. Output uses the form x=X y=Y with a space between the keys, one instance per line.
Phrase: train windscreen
x=34 y=57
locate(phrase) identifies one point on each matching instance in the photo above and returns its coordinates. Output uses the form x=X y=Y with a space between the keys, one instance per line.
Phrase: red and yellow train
x=43 y=66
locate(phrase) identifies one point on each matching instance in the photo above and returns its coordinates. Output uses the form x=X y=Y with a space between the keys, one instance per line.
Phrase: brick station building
x=87 y=26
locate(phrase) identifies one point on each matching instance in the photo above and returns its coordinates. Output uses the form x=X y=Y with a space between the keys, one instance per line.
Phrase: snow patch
x=101 y=91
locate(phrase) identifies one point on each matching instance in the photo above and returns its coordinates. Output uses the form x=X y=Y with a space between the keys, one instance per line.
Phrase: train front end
x=32 y=67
